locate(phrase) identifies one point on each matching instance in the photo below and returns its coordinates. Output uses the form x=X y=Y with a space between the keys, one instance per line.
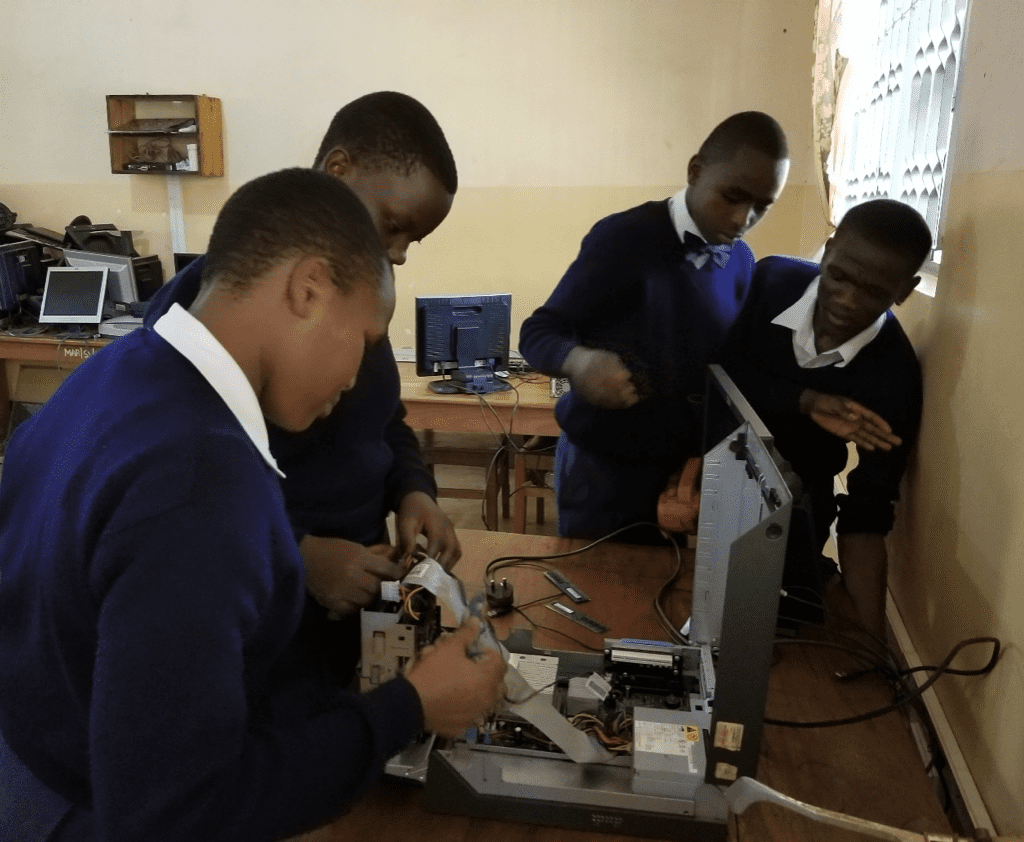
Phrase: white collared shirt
x=800 y=319
x=681 y=219
x=193 y=341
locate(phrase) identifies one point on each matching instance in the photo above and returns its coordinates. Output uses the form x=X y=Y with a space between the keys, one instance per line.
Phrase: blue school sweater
x=631 y=290
x=884 y=376
x=150 y=595
x=347 y=471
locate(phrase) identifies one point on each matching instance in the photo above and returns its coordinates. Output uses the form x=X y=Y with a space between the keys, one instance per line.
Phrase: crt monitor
x=73 y=296
x=465 y=339
x=121 y=286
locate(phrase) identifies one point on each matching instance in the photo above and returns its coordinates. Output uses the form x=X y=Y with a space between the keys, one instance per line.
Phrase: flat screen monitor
x=73 y=296
x=121 y=286
x=465 y=339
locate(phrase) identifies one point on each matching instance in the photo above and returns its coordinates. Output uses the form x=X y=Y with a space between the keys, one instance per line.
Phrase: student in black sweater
x=824 y=362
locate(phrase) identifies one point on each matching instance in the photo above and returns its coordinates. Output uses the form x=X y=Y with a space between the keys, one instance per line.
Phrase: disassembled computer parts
x=645 y=737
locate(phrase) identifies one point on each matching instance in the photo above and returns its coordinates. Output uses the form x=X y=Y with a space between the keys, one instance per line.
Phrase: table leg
x=5 y=400
x=518 y=493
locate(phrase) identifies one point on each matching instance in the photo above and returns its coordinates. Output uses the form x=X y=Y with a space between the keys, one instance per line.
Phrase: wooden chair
x=533 y=460
x=471 y=450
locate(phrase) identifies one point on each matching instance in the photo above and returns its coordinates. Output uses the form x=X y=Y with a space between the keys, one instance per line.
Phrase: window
x=884 y=96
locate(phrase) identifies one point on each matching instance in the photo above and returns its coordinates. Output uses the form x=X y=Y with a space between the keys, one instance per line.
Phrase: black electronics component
x=466 y=338
x=183 y=258
x=21 y=272
x=104 y=238
x=500 y=598
x=7 y=217
x=149 y=275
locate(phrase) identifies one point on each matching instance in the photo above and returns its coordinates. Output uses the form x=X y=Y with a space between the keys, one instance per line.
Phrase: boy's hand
x=849 y=420
x=344 y=576
x=600 y=378
x=679 y=503
x=455 y=690
x=418 y=514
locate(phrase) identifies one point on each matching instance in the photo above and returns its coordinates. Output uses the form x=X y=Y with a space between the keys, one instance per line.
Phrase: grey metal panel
x=748 y=629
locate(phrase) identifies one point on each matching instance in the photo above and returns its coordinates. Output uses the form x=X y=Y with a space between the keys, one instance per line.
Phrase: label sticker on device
x=726 y=771
x=665 y=738
x=729 y=735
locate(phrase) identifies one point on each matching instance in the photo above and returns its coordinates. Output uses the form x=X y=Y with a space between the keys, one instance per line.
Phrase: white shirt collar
x=800 y=319
x=193 y=341
x=681 y=219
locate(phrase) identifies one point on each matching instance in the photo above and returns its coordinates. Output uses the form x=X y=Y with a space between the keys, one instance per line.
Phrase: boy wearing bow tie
x=638 y=316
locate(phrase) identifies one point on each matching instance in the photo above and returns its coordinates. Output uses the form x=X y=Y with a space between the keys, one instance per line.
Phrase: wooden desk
x=528 y=410
x=426 y=410
x=63 y=354
x=871 y=770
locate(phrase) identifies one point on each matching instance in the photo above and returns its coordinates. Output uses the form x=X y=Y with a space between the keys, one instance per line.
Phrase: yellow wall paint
x=958 y=567
x=958 y=546
x=557 y=113
x=522 y=240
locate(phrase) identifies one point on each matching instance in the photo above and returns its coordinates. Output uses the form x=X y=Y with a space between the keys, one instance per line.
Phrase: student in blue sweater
x=152 y=683
x=823 y=361
x=636 y=319
x=348 y=471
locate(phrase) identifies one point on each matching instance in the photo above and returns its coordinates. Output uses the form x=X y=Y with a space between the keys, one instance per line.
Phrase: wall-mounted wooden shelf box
x=165 y=133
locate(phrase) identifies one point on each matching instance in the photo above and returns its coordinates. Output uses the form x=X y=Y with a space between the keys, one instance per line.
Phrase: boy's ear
x=693 y=169
x=825 y=249
x=306 y=286
x=907 y=288
x=338 y=162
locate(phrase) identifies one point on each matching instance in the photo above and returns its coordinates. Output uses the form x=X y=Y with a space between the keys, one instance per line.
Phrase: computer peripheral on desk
x=119 y=326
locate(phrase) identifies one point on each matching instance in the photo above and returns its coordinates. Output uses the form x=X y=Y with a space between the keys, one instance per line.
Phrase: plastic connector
x=500 y=598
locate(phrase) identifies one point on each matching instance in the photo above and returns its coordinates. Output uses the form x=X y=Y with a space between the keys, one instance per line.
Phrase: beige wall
x=959 y=567
x=557 y=112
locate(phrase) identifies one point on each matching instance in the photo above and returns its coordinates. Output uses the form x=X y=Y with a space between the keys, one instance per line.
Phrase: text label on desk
x=78 y=353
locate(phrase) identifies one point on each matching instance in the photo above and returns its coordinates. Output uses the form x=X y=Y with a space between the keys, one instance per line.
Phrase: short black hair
x=292 y=214
x=390 y=131
x=891 y=225
x=747 y=128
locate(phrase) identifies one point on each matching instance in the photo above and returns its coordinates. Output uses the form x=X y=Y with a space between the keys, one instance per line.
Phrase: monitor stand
x=477 y=380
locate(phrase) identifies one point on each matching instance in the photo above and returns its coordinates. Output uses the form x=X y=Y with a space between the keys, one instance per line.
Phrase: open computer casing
x=743 y=526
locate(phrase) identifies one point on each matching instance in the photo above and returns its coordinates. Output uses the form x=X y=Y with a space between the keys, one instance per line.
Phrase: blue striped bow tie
x=699 y=252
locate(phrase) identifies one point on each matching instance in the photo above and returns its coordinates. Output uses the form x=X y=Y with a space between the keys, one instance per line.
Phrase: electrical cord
x=537 y=625
x=937 y=672
x=502 y=561
x=872 y=662
x=525 y=561
x=659 y=609
x=539 y=600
